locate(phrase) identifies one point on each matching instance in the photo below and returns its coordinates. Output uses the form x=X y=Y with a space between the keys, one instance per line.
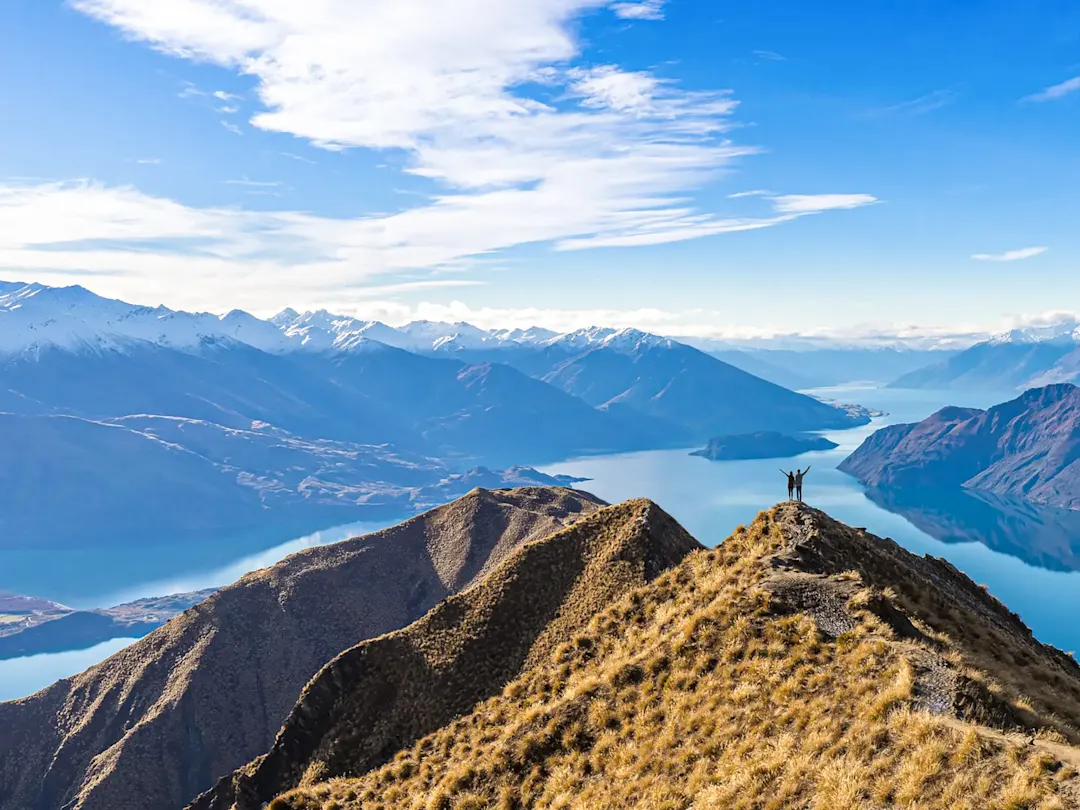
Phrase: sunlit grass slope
x=802 y=664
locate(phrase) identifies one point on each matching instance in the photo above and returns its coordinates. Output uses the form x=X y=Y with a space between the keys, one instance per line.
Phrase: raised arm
x=804 y=472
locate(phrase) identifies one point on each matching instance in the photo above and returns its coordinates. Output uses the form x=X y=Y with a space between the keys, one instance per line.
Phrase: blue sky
x=561 y=162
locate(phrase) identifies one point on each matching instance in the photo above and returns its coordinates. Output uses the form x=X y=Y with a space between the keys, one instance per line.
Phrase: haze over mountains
x=143 y=416
x=1019 y=359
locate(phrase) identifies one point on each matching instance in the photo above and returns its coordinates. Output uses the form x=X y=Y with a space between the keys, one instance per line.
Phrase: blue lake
x=1028 y=557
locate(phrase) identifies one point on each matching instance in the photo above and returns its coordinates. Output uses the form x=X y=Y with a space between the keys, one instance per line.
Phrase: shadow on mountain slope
x=158 y=722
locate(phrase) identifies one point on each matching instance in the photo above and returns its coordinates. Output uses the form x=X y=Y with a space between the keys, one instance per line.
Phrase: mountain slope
x=224 y=382
x=801 y=664
x=66 y=481
x=489 y=411
x=161 y=720
x=382 y=695
x=684 y=386
x=1028 y=448
x=994 y=365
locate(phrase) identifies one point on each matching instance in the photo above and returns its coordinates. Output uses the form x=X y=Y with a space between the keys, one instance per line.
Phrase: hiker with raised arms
x=790 y=483
x=798 y=482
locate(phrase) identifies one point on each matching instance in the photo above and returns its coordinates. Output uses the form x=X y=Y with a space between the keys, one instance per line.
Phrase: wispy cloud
x=221 y=95
x=772 y=56
x=814 y=203
x=757 y=192
x=149 y=161
x=243 y=181
x=227 y=110
x=922 y=105
x=231 y=127
x=300 y=158
x=1056 y=91
x=1010 y=255
x=641 y=10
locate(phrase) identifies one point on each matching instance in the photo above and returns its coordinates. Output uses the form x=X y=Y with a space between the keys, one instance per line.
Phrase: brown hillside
x=802 y=664
x=384 y=694
x=160 y=721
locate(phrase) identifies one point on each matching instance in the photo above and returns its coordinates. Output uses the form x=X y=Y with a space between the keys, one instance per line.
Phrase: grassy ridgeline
x=803 y=664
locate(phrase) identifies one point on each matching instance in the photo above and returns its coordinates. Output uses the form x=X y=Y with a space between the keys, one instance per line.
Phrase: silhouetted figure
x=798 y=482
x=790 y=483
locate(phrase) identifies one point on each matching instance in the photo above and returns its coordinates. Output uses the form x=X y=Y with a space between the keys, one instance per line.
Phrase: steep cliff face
x=803 y=663
x=381 y=696
x=160 y=721
x=1028 y=447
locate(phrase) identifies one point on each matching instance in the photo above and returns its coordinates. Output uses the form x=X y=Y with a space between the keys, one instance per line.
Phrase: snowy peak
x=625 y=341
x=1067 y=331
x=634 y=340
x=33 y=316
x=534 y=334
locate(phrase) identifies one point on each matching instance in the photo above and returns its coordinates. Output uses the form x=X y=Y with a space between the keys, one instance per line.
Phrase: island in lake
x=766 y=444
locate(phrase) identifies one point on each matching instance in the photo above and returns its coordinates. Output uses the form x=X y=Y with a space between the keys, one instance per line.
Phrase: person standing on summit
x=798 y=482
x=790 y=483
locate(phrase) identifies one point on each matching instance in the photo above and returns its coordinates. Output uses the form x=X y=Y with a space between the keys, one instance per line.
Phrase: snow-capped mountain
x=321 y=331
x=33 y=316
x=1067 y=331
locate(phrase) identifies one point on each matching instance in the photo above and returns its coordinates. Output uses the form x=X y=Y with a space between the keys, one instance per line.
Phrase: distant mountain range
x=1019 y=359
x=204 y=423
x=1027 y=448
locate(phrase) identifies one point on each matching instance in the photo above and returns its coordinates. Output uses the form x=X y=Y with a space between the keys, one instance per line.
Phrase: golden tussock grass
x=803 y=664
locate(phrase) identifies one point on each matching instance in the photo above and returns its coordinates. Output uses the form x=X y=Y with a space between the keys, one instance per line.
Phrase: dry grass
x=381 y=696
x=159 y=722
x=711 y=688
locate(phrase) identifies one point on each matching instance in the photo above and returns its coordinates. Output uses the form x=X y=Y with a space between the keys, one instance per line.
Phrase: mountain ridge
x=356 y=711
x=208 y=691
x=801 y=663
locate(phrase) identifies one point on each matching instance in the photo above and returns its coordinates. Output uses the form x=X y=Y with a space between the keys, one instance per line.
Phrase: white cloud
x=149 y=161
x=813 y=203
x=641 y=10
x=233 y=128
x=1056 y=91
x=299 y=158
x=772 y=56
x=221 y=95
x=227 y=110
x=1010 y=255
x=598 y=156
x=757 y=192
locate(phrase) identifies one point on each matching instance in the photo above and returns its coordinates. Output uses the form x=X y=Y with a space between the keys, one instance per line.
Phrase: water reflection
x=1039 y=535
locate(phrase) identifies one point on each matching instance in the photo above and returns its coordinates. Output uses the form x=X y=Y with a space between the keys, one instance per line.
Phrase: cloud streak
x=1055 y=92
x=1010 y=255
